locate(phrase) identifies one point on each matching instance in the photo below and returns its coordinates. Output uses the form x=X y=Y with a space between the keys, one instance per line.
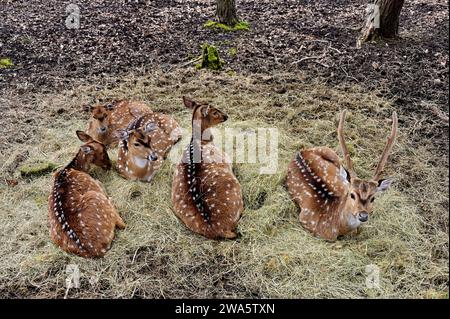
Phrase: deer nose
x=153 y=157
x=363 y=216
x=225 y=117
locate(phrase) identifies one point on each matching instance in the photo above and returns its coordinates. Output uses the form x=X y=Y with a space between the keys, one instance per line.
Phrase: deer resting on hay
x=144 y=144
x=82 y=218
x=333 y=201
x=206 y=195
x=106 y=119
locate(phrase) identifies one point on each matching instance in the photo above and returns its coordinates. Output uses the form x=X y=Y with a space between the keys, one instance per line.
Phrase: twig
x=192 y=61
x=312 y=59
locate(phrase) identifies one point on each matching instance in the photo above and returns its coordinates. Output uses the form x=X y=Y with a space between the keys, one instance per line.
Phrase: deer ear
x=86 y=149
x=205 y=111
x=84 y=137
x=190 y=104
x=121 y=134
x=344 y=174
x=384 y=185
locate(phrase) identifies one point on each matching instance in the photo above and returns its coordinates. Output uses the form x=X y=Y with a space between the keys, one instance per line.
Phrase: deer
x=145 y=144
x=107 y=118
x=333 y=201
x=206 y=195
x=82 y=217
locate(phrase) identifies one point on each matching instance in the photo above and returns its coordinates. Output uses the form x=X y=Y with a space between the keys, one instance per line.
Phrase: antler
x=387 y=148
x=348 y=161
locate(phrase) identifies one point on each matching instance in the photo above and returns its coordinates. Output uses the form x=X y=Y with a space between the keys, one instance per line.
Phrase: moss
x=233 y=52
x=240 y=26
x=37 y=169
x=40 y=200
x=210 y=58
x=6 y=63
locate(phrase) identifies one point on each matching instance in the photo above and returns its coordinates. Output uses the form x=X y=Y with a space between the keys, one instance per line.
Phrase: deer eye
x=372 y=199
x=352 y=196
x=137 y=144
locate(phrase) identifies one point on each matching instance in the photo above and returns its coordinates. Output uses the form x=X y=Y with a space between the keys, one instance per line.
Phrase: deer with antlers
x=107 y=118
x=333 y=201
x=207 y=197
x=144 y=145
x=82 y=218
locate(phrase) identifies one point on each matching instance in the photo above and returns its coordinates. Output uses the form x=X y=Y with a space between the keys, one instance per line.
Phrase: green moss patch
x=210 y=58
x=240 y=26
x=6 y=63
x=37 y=169
x=233 y=52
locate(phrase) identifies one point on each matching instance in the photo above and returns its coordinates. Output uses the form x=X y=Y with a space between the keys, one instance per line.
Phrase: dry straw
x=156 y=256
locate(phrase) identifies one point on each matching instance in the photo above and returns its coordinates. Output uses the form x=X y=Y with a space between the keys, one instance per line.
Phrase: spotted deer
x=107 y=118
x=333 y=201
x=82 y=218
x=206 y=195
x=144 y=145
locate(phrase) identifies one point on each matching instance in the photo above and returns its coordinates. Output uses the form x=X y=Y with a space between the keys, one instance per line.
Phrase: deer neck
x=135 y=167
x=201 y=133
x=347 y=222
x=79 y=162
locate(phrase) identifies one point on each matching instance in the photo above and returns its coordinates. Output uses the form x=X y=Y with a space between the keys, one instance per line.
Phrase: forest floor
x=143 y=51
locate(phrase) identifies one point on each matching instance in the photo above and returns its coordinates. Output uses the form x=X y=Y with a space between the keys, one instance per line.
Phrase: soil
x=142 y=36
x=305 y=41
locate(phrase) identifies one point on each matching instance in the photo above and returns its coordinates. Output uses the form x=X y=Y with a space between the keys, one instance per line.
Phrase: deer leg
x=119 y=222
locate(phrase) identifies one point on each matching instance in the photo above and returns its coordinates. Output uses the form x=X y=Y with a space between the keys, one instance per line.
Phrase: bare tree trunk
x=382 y=19
x=226 y=12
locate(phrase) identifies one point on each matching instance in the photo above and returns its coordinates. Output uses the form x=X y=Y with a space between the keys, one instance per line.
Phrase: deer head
x=358 y=202
x=92 y=152
x=137 y=142
x=101 y=122
x=204 y=116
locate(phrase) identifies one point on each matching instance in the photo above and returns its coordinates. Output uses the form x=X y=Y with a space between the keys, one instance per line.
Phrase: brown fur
x=140 y=145
x=332 y=200
x=206 y=195
x=82 y=218
x=106 y=119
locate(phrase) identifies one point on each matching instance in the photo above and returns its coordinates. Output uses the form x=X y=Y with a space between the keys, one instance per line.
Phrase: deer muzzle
x=153 y=157
x=363 y=216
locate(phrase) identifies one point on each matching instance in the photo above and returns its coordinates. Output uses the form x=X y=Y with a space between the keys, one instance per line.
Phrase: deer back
x=315 y=184
x=207 y=196
x=82 y=218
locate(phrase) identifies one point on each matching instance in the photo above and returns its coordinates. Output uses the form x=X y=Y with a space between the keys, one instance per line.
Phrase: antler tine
x=348 y=161
x=387 y=148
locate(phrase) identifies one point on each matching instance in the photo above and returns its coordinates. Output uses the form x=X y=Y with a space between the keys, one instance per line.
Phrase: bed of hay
x=156 y=256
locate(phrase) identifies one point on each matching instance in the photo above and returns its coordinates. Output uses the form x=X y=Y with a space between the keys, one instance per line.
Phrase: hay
x=156 y=256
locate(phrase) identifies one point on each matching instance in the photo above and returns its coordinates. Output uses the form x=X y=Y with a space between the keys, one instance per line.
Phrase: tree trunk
x=382 y=19
x=226 y=12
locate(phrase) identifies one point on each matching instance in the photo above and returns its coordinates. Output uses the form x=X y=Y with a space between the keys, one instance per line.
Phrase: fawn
x=107 y=118
x=333 y=201
x=207 y=196
x=82 y=218
x=144 y=144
